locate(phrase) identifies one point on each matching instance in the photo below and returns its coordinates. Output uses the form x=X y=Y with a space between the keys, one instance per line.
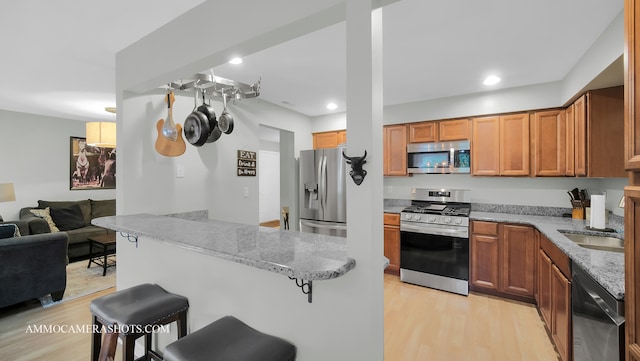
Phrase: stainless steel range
x=434 y=239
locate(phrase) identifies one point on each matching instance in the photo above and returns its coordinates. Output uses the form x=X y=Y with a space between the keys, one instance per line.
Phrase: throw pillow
x=67 y=218
x=9 y=230
x=85 y=206
x=44 y=214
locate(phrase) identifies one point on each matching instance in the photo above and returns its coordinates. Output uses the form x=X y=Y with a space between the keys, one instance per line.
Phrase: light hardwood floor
x=420 y=324
x=426 y=324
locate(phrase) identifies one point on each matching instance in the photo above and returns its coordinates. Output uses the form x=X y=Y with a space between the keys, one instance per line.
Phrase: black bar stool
x=135 y=310
x=229 y=339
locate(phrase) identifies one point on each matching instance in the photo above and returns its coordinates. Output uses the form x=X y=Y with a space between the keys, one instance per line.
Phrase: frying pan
x=225 y=121
x=214 y=131
x=196 y=126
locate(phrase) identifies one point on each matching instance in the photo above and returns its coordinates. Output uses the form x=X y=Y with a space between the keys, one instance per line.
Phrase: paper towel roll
x=597 y=211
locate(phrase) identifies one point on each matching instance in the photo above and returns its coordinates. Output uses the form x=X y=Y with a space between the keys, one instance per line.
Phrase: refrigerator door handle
x=319 y=183
x=323 y=202
x=324 y=225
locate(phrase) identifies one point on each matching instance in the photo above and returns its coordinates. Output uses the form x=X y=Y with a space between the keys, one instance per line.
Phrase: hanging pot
x=214 y=131
x=196 y=126
x=225 y=121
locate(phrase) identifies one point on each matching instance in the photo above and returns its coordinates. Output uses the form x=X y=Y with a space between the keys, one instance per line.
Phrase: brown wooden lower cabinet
x=503 y=259
x=554 y=296
x=561 y=313
x=392 y=242
x=544 y=286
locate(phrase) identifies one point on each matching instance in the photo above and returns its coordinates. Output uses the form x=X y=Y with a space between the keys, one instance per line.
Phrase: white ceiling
x=59 y=56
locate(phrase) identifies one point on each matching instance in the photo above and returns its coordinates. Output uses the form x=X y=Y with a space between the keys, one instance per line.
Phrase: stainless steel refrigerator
x=323 y=194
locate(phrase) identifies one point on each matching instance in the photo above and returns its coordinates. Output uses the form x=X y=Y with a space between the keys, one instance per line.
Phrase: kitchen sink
x=602 y=243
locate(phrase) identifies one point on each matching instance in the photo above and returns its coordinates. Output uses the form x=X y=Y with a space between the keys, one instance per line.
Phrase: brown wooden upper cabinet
x=549 y=143
x=500 y=145
x=439 y=131
x=599 y=133
x=329 y=139
x=395 y=150
x=570 y=140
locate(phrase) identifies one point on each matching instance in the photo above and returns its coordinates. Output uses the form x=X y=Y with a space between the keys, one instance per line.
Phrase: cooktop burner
x=462 y=210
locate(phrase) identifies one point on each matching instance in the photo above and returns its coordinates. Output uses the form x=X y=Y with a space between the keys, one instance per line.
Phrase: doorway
x=277 y=179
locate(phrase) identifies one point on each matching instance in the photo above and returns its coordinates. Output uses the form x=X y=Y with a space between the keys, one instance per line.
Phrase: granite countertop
x=607 y=268
x=393 y=209
x=304 y=256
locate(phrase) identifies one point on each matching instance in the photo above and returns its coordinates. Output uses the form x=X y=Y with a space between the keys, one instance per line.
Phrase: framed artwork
x=91 y=167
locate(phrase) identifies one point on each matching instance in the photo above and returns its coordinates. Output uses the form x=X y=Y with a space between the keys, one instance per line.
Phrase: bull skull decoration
x=356 y=172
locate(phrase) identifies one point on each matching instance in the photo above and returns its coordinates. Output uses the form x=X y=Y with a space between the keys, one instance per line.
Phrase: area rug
x=82 y=281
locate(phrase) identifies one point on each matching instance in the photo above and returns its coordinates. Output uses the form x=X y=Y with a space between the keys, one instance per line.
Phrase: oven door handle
x=434 y=230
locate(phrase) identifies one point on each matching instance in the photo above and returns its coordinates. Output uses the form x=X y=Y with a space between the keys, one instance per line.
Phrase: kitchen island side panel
x=267 y=301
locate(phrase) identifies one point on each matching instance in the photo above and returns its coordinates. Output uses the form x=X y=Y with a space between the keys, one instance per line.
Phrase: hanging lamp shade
x=101 y=134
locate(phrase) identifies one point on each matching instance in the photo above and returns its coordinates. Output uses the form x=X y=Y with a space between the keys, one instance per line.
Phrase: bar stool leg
x=128 y=348
x=182 y=324
x=147 y=346
x=96 y=339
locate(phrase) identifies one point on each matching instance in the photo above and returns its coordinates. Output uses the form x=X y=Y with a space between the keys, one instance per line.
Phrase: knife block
x=577 y=213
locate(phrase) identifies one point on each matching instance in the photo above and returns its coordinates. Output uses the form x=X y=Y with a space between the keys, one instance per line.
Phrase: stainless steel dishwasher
x=598 y=320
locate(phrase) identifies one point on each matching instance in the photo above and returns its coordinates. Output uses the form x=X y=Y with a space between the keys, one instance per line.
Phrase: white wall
x=608 y=47
x=35 y=158
x=269 y=185
x=210 y=180
x=548 y=191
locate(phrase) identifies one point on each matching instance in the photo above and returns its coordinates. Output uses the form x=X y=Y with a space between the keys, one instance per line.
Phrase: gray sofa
x=78 y=237
x=33 y=266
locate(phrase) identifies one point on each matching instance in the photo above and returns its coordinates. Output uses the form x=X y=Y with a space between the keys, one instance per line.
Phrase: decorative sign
x=246 y=163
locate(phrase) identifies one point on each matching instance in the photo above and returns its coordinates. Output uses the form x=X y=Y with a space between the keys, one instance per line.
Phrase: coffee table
x=106 y=245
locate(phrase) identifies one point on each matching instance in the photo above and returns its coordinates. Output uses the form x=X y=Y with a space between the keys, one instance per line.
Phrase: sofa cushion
x=103 y=208
x=67 y=218
x=44 y=214
x=85 y=206
x=9 y=230
x=80 y=235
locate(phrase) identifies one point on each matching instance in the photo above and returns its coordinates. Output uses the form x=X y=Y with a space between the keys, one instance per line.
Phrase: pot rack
x=216 y=86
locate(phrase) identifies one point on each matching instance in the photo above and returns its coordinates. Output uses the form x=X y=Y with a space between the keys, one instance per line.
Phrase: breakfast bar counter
x=298 y=255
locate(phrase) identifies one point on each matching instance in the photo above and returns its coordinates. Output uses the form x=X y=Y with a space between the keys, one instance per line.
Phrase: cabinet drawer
x=392 y=219
x=488 y=228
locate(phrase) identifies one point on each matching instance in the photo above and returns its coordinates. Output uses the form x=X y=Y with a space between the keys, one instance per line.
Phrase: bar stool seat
x=134 y=310
x=229 y=339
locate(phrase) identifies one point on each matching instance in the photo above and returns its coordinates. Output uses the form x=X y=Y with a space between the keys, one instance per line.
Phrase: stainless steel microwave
x=439 y=157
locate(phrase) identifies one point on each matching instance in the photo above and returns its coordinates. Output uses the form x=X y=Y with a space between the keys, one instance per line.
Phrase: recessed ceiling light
x=491 y=80
x=235 y=61
x=332 y=106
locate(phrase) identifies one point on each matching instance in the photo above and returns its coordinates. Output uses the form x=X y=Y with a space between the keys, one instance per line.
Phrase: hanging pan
x=214 y=131
x=225 y=121
x=196 y=126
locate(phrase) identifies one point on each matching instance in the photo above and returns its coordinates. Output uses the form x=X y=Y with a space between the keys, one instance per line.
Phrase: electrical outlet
x=180 y=171
x=246 y=192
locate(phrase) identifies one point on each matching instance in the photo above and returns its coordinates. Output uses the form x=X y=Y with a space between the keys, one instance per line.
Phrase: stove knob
x=407 y=216
x=432 y=219
x=417 y=217
x=458 y=220
x=447 y=220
